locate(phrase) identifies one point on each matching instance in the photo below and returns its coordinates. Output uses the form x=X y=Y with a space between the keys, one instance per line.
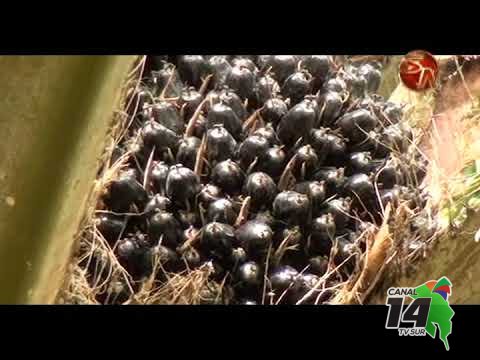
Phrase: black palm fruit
x=330 y=106
x=337 y=150
x=331 y=148
x=200 y=126
x=296 y=86
x=357 y=124
x=164 y=228
x=158 y=176
x=159 y=136
x=306 y=283
x=319 y=67
x=161 y=256
x=166 y=76
x=274 y=110
x=221 y=67
x=333 y=179
x=282 y=66
x=223 y=114
x=141 y=99
x=129 y=252
x=372 y=77
x=223 y=211
x=262 y=61
x=392 y=196
x=322 y=235
x=245 y=61
x=273 y=162
x=291 y=207
x=291 y=238
x=157 y=203
x=319 y=265
x=268 y=132
x=182 y=184
x=242 y=80
x=110 y=226
x=192 y=257
x=186 y=218
x=255 y=237
x=361 y=162
x=249 y=278
x=261 y=188
x=230 y=98
x=253 y=147
x=155 y=62
x=340 y=175
x=227 y=96
x=340 y=210
x=189 y=100
x=358 y=86
x=298 y=122
x=209 y=193
x=392 y=113
x=265 y=217
x=166 y=114
x=346 y=253
x=360 y=189
x=192 y=69
x=320 y=142
x=283 y=278
x=228 y=176
x=126 y=191
x=187 y=151
x=370 y=143
x=220 y=145
x=315 y=191
x=388 y=175
x=239 y=256
x=336 y=84
x=218 y=239
x=267 y=88
x=394 y=138
x=307 y=161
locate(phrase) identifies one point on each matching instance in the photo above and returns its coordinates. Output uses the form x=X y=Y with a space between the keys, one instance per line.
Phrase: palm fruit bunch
x=269 y=168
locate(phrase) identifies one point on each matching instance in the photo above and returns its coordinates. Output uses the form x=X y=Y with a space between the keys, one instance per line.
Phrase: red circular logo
x=419 y=70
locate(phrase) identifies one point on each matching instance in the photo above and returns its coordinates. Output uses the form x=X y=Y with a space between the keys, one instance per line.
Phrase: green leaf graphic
x=440 y=314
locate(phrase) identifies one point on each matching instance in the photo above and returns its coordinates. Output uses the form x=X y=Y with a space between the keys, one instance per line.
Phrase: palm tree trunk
x=54 y=114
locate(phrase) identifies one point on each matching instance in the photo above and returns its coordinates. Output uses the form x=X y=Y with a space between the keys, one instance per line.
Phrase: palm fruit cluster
x=270 y=169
